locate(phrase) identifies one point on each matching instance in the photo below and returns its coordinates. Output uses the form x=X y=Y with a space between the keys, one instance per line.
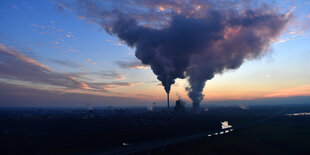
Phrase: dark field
x=257 y=130
x=281 y=135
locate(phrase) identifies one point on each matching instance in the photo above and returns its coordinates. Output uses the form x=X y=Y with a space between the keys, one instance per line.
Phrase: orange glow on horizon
x=298 y=91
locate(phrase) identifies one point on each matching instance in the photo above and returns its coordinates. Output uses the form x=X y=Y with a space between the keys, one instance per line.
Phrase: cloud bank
x=17 y=67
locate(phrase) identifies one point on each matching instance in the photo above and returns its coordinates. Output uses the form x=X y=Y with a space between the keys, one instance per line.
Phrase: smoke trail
x=168 y=51
x=189 y=40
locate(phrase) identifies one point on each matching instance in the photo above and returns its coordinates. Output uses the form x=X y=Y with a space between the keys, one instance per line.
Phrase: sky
x=56 y=53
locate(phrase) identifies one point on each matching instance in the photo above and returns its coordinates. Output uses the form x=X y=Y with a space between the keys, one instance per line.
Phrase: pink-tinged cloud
x=121 y=77
x=298 y=91
x=110 y=85
x=131 y=65
x=118 y=43
x=21 y=56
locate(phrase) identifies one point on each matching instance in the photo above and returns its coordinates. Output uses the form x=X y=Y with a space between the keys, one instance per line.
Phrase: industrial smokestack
x=168 y=100
x=195 y=106
x=190 y=43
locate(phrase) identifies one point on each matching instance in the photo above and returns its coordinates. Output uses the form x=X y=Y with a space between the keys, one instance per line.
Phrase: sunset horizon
x=118 y=77
x=66 y=51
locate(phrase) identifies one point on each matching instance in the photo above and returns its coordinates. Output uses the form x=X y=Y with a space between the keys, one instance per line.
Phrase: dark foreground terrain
x=281 y=135
x=257 y=130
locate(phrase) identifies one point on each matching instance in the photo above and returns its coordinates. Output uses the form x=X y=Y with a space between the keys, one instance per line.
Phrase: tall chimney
x=168 y=100
x=196 y=107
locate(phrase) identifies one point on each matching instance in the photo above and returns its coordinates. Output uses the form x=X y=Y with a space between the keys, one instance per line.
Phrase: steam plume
x=190 y=40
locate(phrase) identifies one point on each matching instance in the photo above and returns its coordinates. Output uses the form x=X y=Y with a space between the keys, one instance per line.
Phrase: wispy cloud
x=91 y=62
x=15 y=7
x=61 y=6
x=16 y=95
x=69 y=35
x=14 y=65
x=66 y=63
x=17 y=66
x=110 y=75
x=131 y=64
x=298 y=29
x=118 y=43
x=102 y=75
x=51 y=29
x=111 y=85
x=138 y=82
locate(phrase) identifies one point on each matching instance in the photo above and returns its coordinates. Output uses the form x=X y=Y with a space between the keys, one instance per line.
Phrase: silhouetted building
x=179 y=106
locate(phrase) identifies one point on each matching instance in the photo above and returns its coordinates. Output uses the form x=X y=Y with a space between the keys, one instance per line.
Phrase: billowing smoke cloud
x=191 y=41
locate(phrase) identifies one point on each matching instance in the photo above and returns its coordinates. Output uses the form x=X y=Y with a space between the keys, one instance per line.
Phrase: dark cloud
x=151 y=13
x=17 y=66
x=189 y=39
x=131 y=64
